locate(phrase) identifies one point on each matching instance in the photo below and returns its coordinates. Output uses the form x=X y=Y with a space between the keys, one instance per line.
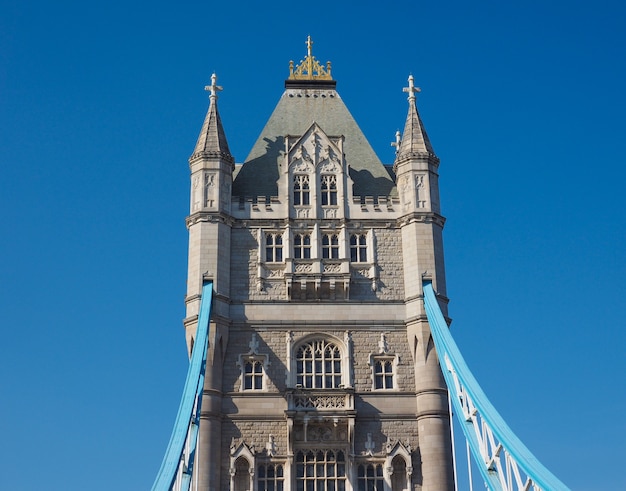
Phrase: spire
x=414 y=139
x=212 y=140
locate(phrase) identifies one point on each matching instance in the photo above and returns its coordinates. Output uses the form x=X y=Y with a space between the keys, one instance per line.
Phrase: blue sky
x=100 y=107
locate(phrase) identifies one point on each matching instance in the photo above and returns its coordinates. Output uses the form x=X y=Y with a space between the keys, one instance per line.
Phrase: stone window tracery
x=328 y=187
x=301 y=190
x=323 y=470
x=302 y=246
x=318 y=365
x=330 y=246
x=273 y=247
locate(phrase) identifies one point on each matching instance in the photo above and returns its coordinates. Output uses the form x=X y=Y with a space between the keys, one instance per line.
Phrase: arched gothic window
x=328 y=188
x=273 y=247
x=302 y=246
x=301 y=191
x=318 y=365
x=330 y=246
x=242 y=475
x=399 y=476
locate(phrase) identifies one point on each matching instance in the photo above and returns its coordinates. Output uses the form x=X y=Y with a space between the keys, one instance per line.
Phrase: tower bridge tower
x=321 y=371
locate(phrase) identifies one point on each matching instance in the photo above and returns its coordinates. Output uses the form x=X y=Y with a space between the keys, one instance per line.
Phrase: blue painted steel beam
x=453 y=365
x=187 y=421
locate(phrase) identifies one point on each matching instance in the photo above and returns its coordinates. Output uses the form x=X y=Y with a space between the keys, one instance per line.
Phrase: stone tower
x=321 y=371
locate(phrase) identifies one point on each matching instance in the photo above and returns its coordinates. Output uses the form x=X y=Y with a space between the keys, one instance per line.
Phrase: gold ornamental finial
x=309 y=68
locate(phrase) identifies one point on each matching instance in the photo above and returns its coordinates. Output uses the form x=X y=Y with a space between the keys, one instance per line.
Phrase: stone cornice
x=428 y=217
x=212 y=155
x=405 y=157
x=209 y=216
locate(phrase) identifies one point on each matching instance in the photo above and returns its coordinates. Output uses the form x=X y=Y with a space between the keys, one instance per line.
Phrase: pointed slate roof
x=414 y=139
x=310 y=97
x=212 y=139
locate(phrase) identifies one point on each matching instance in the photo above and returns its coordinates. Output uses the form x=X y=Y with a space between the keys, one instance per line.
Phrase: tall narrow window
x=330 y=246
x=301 y=189
x=242 y=475
x=273 y=248
x=399 y=476
x=383 y=373
x=370 y=477
x=358 y=248
x=318 y=365
x=253 y=375
x=329 y=189
x=320 y=470
x=271 y=477
x=302 y=246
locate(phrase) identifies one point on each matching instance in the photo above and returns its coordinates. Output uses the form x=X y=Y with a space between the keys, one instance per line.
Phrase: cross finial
x=411 y=89
x=398 y=141
x=254 y=344
x=369 y=445
x=213 y=88
x=309 y=45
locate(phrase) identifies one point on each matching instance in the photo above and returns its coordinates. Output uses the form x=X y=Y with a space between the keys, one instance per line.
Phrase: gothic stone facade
x=321 y=371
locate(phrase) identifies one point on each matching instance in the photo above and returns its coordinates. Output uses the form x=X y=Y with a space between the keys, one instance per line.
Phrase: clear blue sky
x=100 y=107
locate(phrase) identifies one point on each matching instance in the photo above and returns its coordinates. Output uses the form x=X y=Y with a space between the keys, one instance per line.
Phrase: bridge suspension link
x=503 y=460
x=177 y=467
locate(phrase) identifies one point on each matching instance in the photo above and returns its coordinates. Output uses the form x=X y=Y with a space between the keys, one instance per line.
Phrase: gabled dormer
x=313 y=175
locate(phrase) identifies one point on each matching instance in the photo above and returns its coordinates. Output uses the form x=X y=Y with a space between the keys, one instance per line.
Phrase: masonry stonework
x=321 y=372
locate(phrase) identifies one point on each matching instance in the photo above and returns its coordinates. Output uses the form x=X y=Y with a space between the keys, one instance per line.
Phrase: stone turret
x=416 y=168
x=209 y=225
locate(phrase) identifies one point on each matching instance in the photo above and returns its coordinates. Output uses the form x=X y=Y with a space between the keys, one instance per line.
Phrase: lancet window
x=330 y=246
x=241 y=477
x=318 y=365
x=301 y=190
x=328 y=187
x=273 y=247
x=302 y=246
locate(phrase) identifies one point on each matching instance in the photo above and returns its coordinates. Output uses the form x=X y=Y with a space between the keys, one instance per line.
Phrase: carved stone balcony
x=322 y=401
